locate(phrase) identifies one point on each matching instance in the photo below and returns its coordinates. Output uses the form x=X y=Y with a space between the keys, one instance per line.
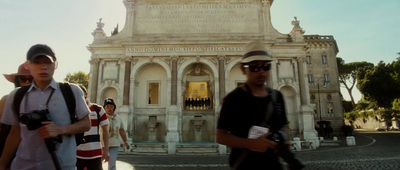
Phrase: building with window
x=171 y=65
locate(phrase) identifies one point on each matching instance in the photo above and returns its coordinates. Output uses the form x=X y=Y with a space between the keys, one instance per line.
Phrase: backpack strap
x=19 y=95
x=271 y=106
x=274 y=94
x=96 y=108
x=65 y=90
x=69 y=100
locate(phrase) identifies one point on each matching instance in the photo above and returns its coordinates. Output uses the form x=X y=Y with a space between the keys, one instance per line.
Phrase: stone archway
x=110 y=92
x=198 y=88
x=292 y=113
x=198 y=104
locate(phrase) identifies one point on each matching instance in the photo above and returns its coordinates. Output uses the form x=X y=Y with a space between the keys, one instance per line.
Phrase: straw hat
x=22 y=71
x=256 y=51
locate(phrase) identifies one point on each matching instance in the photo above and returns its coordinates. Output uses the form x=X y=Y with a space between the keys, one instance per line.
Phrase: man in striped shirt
x=90 y=154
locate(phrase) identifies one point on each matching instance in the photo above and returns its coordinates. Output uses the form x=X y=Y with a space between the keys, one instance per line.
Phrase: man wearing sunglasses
x=247 y=114
x=21 y=78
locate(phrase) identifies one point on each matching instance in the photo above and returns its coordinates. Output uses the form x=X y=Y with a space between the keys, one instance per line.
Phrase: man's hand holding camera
x=50 y=130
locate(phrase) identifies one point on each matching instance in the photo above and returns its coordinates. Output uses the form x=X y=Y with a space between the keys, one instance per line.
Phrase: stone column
x=173 y=111
x=127 y=81
x=304 y=90
x=172 y=122
x=221 y=74
x=93 y=79
x=174 y=79
x=307 y=111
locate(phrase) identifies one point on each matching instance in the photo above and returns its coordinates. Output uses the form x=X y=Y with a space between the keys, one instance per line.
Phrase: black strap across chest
x=270 y=105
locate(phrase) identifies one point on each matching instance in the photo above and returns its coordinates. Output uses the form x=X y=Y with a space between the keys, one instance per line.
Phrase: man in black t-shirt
x=247 y=107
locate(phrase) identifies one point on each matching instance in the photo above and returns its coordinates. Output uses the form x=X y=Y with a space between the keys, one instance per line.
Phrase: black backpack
x=69 y=100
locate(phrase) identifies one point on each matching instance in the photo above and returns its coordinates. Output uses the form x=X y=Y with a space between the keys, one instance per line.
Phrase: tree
x=379 y=84
x=347 y=106
x=398 y=58
x=78 y=78
x=396 y=107
x=348 y=74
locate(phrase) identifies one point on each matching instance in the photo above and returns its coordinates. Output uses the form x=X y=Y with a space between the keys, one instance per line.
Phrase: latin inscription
x=197 y=18
x=182 y=49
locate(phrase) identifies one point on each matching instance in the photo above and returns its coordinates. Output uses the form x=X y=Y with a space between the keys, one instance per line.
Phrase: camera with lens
x=34 y=119
x=284 y=151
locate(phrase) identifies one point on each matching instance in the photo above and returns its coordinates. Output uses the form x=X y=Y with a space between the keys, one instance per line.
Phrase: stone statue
x=296 y=23
x=100 y=25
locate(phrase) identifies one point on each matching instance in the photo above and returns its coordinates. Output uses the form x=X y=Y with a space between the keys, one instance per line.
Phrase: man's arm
x=123 y=136
x=50 y=130
x=260 y=144
x=2 y=104
x=11 y=146
x=106 y=155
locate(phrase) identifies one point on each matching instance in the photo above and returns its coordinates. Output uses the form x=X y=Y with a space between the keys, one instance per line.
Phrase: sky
x=365 y=30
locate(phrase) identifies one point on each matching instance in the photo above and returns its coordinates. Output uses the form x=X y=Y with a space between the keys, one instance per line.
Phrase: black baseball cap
x=109 y=100
x=40 y=50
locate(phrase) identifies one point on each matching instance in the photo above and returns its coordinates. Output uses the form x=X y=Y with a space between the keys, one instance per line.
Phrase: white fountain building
x=171 y=65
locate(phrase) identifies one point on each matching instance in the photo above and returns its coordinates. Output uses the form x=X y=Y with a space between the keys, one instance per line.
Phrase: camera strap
x=270 y=107
x=244 y=154
x=48 y=99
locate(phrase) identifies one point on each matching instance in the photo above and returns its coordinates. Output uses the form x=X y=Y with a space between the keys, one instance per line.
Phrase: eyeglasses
x=24 y=79
x=257 y=68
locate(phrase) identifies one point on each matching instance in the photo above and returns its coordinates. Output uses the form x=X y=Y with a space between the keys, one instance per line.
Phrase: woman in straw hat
x=21 y=78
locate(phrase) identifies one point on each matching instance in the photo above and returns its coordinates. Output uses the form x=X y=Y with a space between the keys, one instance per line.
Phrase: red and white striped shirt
x=92 y=148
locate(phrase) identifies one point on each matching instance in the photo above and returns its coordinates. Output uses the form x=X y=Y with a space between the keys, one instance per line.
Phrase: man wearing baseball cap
x=43 y=96
x=250 y=108
x=115 y=129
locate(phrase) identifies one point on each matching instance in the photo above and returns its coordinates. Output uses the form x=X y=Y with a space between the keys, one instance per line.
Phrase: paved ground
x=374 y=151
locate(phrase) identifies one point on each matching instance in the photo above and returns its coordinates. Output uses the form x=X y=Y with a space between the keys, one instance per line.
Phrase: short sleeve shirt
x=113 y=130
x=32 y=152
x=239 y=112
x=92 y=149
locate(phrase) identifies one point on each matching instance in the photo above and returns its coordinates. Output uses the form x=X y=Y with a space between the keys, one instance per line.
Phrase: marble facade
x=167 y=46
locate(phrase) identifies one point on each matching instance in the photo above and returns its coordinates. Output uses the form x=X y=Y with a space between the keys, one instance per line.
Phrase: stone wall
x=369 y=123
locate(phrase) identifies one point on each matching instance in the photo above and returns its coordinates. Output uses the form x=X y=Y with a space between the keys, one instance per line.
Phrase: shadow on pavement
x=120 y=166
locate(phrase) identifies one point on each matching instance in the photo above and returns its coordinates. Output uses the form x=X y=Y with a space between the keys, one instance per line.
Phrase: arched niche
x=110 y=92
x=289 y=96
x=198 y=87
x=151 y=86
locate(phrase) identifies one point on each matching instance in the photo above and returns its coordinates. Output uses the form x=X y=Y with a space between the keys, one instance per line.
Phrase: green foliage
x=396 y=104
x=378 y=85
x=347 y=105
x=351 y=116
x=348 y=74
x=396 y=108
x=385 y=113
x=78 y=78
x=396 y=70
x=366 y=114
x=366 y=105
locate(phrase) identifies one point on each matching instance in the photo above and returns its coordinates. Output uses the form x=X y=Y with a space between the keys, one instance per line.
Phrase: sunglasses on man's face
x=24 y=79
x=257 y=68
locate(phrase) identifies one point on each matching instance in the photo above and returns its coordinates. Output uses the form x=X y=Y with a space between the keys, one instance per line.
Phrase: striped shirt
x=92 y=148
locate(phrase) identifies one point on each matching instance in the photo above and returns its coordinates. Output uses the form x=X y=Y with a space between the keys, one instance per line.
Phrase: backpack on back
x=69 y=100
